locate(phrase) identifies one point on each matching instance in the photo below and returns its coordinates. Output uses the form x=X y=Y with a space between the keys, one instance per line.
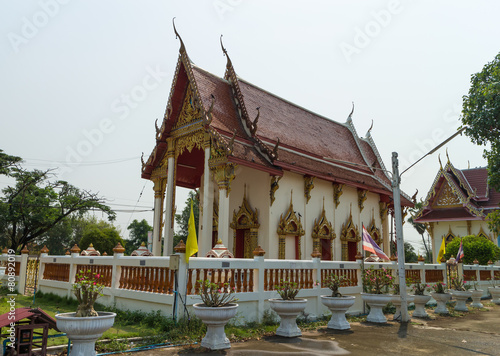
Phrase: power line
x=140 y=195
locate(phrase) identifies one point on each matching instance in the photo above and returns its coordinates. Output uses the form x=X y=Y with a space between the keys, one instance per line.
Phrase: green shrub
x=475 y=247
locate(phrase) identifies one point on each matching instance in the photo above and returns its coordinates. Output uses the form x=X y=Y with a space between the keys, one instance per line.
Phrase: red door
x=326 y=249
x=352 y=250
x=240 y=244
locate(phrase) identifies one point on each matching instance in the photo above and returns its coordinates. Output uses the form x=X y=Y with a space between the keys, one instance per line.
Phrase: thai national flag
x=370 y=245
x=460 y=254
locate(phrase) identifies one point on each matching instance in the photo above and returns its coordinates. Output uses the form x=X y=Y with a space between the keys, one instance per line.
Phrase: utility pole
x=396 y=192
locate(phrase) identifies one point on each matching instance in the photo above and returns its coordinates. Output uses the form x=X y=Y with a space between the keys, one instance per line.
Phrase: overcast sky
x=82 y=82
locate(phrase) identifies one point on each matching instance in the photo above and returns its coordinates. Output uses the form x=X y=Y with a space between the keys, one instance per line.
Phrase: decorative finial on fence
x=490 y=262
x=443 y=260
x=75 y=249
x=105 y=253
x=119 y=248
x=181 y=247
x=317 y=254
x=393 y=258
x=421 y=258
x=67 y=252
x=25 y=250
x=358 y=256
x=5 y=251
x=476 y=262
x=259 y=251
x=45 y=249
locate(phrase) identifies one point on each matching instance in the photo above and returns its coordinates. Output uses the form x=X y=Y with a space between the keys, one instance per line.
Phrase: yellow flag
x=442 y=250
x=192 y=242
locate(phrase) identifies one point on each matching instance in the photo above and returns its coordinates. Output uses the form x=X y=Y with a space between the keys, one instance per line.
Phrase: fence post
x=180 y=250
x=316 y=259
x=75 y=252
x=22 y=271
x=445 y=272
x=421 y=262
x=118 y=252
x=258 y=277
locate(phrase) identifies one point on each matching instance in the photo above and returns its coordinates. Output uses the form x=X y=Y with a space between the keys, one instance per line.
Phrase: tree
x=7 y=162
x=138 y=234
x=475 y=248
x=182 y=219
x=421 y=228
x=494 y=222
x=481 y=116
x=410 y=255
x=65 y=235
x=36 y=204
x=102 y=235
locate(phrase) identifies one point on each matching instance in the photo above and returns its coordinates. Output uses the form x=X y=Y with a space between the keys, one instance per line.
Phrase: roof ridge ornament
x=253 y=129
x=349 y=118
x=183 y=48
x=439 y=159
x=229 y=63
x=447 y=156
x=368 y=133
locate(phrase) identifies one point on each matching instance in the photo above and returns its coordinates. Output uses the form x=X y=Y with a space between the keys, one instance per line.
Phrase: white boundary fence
x=154 y=283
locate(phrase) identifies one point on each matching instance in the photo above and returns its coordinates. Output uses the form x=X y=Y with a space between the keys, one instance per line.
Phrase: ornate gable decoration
x=191 y=110
x=290 y=224
x=323 y=228
x=350 y=231
x=446 y=197
x=245 y=218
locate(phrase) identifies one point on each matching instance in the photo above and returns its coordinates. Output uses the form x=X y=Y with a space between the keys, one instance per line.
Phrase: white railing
x=155 y=283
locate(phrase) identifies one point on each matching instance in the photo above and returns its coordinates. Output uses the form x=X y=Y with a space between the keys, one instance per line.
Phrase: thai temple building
x=457 y=205
x=268 y=172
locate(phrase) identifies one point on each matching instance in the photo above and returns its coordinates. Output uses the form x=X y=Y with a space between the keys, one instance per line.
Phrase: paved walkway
x=476 y=333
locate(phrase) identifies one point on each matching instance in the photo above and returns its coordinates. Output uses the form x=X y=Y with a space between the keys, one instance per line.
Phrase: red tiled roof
x=447 y=215
x=478 y=179
x=299 y=128
x=308 y=142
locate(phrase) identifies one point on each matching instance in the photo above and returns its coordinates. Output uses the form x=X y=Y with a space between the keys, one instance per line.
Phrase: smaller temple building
x=457 y=205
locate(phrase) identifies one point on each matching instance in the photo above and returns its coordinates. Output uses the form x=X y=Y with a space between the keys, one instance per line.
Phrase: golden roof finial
x=447 y=156
x=182 y=49
x=352 y=112
x=439 y=159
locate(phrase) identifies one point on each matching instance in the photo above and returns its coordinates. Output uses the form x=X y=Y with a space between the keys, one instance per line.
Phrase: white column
x=224 y=216
x=159 y=196
x=169 y=231
x=205 y=242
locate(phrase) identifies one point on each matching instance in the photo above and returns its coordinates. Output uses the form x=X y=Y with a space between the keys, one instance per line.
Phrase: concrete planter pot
x=215 y=318
x=420 y=301
x=441 y=300
x=461 y=297
x=495 y=294
x=338 y=306
x=288 y=310
x=84 y=331
x=376 y=302
x=396 y=300
x=476 y=298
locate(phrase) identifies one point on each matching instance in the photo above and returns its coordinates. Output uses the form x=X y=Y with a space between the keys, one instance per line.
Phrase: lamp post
x=396 y=192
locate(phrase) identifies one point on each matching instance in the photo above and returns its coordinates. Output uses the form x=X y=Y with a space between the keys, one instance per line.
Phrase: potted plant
x=420 y=299
x=476 y=294
x=441 y=297
x=216 y=309
x=494 y=291
x=288 y=308
x=460 y=291
x=86 y=325
x=396 y=299
x=337 y=303
x=376 y=285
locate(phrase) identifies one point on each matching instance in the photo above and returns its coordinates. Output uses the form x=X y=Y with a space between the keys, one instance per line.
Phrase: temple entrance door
x=239 y=251
x=326 y=249
x=352 y=250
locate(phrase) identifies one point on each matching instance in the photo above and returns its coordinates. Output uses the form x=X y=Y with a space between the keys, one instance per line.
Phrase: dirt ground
x=475 y=333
